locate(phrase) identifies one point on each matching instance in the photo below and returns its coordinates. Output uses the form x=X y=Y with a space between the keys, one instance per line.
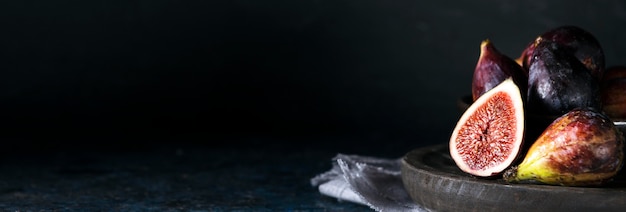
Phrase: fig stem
x=510 y=175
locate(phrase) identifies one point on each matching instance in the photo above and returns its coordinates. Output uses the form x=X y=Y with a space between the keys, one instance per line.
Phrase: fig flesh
x=488 y=136
x=576 y=41
x=581 y=148
x=558 y=82
x=492 y=68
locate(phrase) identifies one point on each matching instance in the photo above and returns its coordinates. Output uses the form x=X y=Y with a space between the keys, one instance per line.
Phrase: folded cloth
x=371 y=181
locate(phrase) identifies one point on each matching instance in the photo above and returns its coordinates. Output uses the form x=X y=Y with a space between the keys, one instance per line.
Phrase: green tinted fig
x=581 y=148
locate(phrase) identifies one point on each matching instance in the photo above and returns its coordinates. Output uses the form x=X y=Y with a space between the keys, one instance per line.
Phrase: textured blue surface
x=188 y=179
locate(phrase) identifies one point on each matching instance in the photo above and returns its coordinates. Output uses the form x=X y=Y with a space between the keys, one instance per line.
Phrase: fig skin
x=580 y=148
x=614 y=72
x=613 y=94
x=493 y=68
x=488 y=136
x=558 y=82
x=576 y=41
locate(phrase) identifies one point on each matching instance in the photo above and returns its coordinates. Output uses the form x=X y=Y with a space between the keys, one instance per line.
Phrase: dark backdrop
x=133 y=73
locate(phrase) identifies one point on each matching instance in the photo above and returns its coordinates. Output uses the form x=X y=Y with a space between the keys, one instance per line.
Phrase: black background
x=344 y=74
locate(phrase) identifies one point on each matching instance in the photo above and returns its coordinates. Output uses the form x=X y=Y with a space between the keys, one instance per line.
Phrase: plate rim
x=616 y=196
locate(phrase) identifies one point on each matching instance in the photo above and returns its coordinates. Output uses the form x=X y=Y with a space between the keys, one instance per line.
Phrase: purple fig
x=492 y=69
x=576 y=41
x=558 y=82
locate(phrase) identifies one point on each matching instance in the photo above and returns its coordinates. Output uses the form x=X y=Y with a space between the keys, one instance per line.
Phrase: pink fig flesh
x=488 y=136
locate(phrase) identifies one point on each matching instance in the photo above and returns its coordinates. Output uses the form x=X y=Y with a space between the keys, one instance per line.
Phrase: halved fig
x=488 y=136
x=494 y=67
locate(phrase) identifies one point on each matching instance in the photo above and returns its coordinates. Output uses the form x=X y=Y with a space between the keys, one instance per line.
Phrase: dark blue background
x=224 y=73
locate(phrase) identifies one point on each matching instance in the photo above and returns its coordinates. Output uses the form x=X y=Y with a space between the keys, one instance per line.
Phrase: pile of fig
x=546 y=117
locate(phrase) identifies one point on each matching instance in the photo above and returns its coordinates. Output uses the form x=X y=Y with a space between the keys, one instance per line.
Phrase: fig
x=613 y=92
x=577 y=42
x=558 y=82
x=488 y=136
x=613 y=95
x=614 y=72
x=492 y=68
x=580 y=148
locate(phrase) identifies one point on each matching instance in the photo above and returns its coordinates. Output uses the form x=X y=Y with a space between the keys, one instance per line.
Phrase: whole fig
x=581 y=148
x=576 y=41
x=613 y=92
x=614 y=72
x=558 y=82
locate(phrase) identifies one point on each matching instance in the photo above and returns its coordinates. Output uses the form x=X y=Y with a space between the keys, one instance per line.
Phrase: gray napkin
x=375 y=182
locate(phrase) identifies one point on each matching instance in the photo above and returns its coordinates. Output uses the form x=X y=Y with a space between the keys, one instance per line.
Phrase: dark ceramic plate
x=433 y=180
